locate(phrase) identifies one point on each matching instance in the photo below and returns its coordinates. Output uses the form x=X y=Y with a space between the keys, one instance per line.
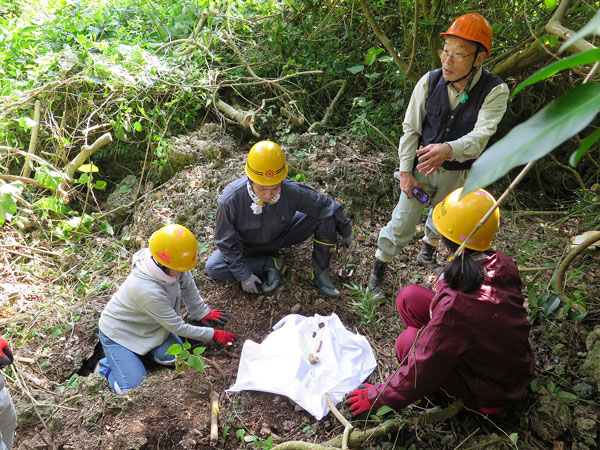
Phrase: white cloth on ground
x=280 y=364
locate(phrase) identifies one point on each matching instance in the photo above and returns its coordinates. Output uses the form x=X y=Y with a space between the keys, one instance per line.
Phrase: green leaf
x=8 y=206
x=564 y=395
x=138 y=126
x=514 y=437
x=551 y=306
x=535 y=385
x=203 y=247
x=124 y=189
x=196 y=362
x=88 y=168
x=384 y=410
x=174 y=349
x=199 y=350
x=299 y=177
x=355 y=69
x=591 y=27
x=48 y=177
x=589 y=57
x=107 y=228
x=372 y=55
x=538 y=136
x=100 y=185
x=586 y=143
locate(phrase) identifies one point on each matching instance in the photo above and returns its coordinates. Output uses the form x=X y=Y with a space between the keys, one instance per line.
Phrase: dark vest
x=443 y=125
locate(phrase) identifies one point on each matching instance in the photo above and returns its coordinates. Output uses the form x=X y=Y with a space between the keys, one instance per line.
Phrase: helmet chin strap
x=467 y=88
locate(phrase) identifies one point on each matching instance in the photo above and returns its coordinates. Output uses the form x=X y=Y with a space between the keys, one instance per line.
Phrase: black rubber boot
x=321 y=279
x=426 y=257
x=273 y=268
x=324 y=247
x=377 y=277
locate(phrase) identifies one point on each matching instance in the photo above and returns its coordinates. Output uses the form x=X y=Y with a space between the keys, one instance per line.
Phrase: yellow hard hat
x=175 y=247
x=456 y=217
x=266 y=164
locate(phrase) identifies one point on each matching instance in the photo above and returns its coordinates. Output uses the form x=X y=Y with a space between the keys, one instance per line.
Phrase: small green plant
x=365 y=304
x=184 y=359
x=545 y=303
x=241 y=435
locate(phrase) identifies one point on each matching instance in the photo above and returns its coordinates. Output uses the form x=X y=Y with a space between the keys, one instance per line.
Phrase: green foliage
x=184 y=359
x=545 y=303
x=560 y=120
x=366 y=305
x=241 y=435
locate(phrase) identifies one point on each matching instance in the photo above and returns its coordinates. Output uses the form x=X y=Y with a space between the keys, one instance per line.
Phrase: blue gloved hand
x=250 y=284
x=358 y=400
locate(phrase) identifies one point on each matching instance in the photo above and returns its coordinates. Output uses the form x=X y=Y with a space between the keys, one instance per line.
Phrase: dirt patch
x=61 y=405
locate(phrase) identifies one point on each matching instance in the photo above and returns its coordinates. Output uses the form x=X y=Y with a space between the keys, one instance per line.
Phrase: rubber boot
x=426 y=256
x=321 y=279
x=377 y=277
x=324 y=246
x=273 y=268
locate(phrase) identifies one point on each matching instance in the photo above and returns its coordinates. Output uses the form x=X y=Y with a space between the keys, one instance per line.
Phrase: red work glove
x=215 y=317
x=358 y=399
x=224 y=337
x=6 y=356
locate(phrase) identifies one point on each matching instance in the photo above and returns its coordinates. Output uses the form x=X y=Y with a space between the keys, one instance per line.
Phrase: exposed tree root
x=357 y=438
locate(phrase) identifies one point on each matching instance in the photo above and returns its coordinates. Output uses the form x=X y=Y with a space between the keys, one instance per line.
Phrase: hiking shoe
x=273 y=269
x=376 y=278
x=426 y=256
x=323 y=282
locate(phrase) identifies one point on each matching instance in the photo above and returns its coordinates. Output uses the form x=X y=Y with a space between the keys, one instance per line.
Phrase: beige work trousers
x=402 y=227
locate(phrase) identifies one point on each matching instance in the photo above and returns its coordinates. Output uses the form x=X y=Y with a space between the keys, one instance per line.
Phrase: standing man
x=453 y=111
x=265 y=211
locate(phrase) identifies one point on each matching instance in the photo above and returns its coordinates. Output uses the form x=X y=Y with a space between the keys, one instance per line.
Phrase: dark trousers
x=302 y=227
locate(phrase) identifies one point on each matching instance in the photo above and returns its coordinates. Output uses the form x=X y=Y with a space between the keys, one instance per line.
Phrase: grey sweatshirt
x=145 y=309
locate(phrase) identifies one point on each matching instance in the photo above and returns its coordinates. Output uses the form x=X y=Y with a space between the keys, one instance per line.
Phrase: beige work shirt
x=467 y=147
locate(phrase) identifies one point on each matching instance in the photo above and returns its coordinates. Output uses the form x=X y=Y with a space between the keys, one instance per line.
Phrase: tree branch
x=411 y=75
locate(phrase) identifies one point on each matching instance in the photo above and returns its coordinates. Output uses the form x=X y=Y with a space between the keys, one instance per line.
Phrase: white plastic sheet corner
x=280 y=365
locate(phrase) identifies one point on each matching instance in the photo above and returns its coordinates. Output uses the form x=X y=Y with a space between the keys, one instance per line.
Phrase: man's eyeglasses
x=458 y=57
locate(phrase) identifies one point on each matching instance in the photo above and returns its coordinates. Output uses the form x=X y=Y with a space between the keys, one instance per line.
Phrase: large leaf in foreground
x=547 y=129
x=589 y=57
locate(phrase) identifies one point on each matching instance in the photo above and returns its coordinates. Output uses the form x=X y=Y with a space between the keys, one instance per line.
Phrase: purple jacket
x=475 y=345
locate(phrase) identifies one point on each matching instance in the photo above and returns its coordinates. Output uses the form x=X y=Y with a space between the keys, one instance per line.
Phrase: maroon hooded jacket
x=475 y=346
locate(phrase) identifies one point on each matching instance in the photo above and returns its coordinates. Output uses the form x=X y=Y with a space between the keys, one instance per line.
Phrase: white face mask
x=258 y=204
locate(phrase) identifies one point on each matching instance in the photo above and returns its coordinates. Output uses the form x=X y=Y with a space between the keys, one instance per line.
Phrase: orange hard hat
x=175 y=247
x=472 y=27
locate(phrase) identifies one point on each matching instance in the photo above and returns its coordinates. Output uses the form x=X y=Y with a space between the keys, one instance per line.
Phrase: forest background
x=95 y=91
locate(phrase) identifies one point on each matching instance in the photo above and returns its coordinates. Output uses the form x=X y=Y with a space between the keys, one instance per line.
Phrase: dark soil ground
x=52 y=301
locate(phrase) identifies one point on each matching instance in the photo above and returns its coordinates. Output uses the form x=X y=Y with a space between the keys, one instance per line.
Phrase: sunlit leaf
x=88 y=168
x=548 y=128
x=589 y=57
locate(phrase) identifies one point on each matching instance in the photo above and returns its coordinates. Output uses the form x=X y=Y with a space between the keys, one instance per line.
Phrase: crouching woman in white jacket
x=143 y=316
